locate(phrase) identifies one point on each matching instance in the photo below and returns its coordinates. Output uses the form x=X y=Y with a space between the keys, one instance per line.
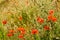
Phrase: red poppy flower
x=9 y=34
x=20 y=18
x=22 y=32
x=20 y=36
x=51 y=12
x=34 y=31
x=20 y=29
x=49 y=17
x=54 y=19
x=40 y=20
x=46 y=28
x=4 y=21
x=11 y=31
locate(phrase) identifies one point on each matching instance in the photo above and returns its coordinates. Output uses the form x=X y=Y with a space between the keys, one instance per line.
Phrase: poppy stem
x=34 y=37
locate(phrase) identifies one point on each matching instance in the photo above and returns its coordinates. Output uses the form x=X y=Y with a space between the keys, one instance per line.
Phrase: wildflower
x=54 y=19
x=4 y=21
x=11 y=31
x=9 y=34
x=40 y=20
x=34 y=31
x=20 y=18
x=49 y=17
x=51 y=12
x=46 y=28
x=20 y=36
x=22 y=32
x=20 y=29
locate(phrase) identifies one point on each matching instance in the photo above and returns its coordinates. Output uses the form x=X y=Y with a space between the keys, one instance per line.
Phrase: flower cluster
x=51 y=17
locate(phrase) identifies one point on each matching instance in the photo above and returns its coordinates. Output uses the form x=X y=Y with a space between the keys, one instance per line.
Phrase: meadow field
x=29 y=19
